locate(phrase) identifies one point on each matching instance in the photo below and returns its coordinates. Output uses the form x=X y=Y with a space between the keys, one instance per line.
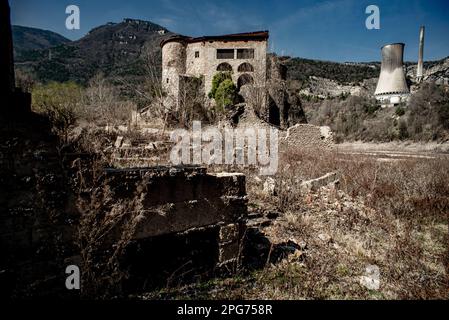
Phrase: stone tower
x=173 y=65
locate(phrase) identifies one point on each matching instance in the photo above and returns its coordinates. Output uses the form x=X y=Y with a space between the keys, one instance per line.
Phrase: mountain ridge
x=29 y=38
x=117 y=49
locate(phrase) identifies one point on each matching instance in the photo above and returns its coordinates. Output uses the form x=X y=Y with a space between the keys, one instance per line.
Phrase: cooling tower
x=420 y=69
x=392 y=84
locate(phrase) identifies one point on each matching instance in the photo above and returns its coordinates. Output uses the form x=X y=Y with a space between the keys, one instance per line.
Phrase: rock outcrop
x=284 y=107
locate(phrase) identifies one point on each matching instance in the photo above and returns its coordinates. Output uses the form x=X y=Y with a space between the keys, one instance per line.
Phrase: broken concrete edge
x=315 y=184
x=227 y=174
x=183 y=216
x=158 y=169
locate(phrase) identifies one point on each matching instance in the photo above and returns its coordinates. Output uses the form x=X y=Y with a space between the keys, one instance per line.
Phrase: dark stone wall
x=19 y=103
x=284 y=107
x=7 y=83
x=37 y=214
x=191 y=214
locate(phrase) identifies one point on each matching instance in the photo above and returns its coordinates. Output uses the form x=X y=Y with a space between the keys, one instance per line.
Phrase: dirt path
x=395 y=151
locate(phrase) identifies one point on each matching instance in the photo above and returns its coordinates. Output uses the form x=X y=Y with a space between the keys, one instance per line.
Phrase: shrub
x=103 y=104
x=426 y=117
x=428 y=113
x=217 y=80
x=24 y=80
x=226 y=94
x=443 y=114
x=403 y=132
x=400 y=111
x=371 y=108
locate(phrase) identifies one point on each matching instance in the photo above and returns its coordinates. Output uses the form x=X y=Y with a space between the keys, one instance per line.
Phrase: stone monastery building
x=184 y=58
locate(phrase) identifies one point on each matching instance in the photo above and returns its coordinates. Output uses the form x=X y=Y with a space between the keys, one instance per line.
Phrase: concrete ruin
x=182 y=200
x=331 y=178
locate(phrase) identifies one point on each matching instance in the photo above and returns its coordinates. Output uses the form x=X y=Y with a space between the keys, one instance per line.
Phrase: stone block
x=228 y=252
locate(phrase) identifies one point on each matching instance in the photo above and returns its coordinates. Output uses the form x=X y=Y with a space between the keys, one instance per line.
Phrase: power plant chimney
x=420 y=69
x=392 y=87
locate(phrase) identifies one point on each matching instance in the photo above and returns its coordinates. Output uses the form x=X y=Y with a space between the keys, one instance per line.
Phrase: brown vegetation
x=389 y=214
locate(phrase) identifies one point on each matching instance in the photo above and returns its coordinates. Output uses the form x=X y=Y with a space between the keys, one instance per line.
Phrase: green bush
x=371 y=108
x=225 y=94
x=217 y=80
x=400 y=111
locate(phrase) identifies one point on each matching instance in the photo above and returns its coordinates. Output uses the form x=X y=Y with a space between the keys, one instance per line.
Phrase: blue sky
x=327 y=30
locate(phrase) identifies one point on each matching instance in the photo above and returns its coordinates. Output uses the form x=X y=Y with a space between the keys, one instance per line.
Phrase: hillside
x=115 y=49
x=343 y=73
x=325 y=79
x=434 y=71
x=26 y=38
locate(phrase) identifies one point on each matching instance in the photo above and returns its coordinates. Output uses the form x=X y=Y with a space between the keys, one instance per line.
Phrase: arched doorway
x=244 y=79
x=224 y=67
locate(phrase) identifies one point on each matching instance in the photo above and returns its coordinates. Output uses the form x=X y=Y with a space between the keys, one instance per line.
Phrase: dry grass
x=390 y=214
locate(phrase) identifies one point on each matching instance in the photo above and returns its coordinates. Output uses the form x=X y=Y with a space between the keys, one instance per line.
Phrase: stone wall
x=37 y=219
x=307 y=136
x=207 y=62
x=184 y=199
x=283 y=108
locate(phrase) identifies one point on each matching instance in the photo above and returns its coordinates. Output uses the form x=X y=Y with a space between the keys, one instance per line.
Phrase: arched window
x=245 y=67
x=244 y=79
x=224 y=67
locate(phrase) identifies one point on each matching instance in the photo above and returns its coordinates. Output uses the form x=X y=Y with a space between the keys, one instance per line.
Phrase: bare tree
x=191 y=100
x=255 y=93
x=102 y=102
